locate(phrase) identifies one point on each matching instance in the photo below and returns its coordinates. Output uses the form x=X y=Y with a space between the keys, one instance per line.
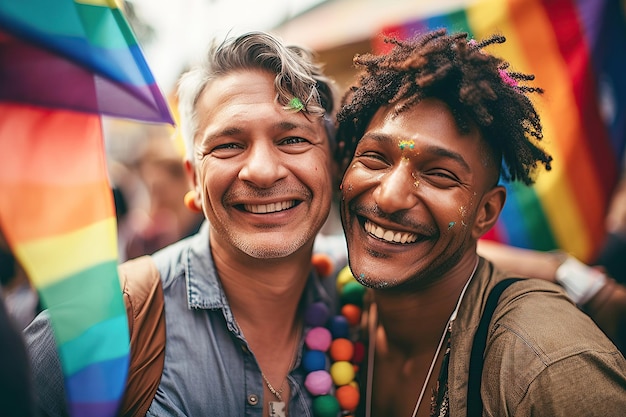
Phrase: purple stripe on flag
x=37 y=76
x=105 y=409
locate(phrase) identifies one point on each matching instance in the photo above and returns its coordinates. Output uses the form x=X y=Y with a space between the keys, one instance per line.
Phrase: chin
x=375 y=274
x=272 y=248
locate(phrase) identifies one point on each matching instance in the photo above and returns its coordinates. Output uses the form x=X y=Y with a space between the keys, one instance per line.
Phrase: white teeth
x=269 y=208
x=389 y=235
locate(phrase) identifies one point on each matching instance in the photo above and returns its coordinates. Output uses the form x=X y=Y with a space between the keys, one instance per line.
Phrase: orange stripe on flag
x=82 y=205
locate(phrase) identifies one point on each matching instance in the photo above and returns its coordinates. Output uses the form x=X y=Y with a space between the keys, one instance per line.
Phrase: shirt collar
x=204 y=288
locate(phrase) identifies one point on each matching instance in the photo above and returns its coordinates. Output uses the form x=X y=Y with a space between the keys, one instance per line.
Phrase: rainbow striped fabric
x=577 y=51
x=63 y=64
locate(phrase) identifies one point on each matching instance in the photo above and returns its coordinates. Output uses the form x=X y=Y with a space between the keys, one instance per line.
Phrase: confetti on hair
x=295 y=104
x=507 y=78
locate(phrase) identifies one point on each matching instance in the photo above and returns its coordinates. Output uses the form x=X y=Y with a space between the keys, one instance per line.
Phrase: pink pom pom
x=318 y=382
x=318 y=338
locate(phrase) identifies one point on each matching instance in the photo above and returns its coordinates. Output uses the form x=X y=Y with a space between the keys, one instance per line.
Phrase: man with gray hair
x=256 y=119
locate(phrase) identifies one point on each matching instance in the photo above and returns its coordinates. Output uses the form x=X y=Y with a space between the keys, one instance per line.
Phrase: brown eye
x=293 y=140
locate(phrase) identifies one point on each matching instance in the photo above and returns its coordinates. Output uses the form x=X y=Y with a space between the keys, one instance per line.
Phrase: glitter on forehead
x=406 y=144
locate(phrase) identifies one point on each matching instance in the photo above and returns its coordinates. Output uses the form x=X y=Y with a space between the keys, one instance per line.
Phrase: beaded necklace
x=339 y=338
x=333 y=352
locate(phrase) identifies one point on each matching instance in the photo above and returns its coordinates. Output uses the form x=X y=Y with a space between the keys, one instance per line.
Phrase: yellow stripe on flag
x=49 y=260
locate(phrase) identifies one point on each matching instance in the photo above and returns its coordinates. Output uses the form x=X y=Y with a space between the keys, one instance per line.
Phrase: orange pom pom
x=323 y=264
x=352 y=313
x=348 y=397
x=341 y=350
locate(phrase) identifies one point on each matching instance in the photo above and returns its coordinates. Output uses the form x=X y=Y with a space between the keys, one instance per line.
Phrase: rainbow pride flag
x=63 y=64
x=577 y=51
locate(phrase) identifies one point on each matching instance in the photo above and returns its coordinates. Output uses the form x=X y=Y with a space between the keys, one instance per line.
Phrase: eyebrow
x=436 y=150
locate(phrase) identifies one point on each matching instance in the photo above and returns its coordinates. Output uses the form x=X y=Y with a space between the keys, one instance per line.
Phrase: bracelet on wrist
x=580 y=281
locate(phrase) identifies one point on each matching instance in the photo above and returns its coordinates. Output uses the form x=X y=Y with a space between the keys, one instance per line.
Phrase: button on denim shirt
x=209 y=368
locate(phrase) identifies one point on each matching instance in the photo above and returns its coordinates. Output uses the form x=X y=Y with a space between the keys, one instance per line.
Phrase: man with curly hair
x=424 y=138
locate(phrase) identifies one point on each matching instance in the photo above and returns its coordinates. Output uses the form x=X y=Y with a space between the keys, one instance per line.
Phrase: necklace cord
x=373 y=324
x=277 y=392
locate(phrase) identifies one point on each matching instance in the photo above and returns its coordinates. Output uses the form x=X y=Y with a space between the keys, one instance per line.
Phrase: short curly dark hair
x=475 y=85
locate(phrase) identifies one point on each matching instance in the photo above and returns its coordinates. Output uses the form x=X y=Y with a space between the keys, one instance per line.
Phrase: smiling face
x=416 y=196
x=262 y=173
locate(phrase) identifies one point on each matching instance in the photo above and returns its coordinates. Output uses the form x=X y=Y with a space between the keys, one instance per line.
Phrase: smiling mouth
x=389 y=235
x=269 y=208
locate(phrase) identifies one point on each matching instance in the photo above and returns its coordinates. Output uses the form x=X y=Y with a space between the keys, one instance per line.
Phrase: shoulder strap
x=474 y=401
x=143 y=296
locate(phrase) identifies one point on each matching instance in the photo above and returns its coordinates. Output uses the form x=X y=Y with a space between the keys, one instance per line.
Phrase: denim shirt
x=209 y=368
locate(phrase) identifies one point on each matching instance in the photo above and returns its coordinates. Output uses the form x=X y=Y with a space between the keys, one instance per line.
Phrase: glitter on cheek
x=451 y=225
x=463 y=211
x=416 y=183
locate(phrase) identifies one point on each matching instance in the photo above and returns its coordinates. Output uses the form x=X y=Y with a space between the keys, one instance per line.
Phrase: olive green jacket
x=544 y=356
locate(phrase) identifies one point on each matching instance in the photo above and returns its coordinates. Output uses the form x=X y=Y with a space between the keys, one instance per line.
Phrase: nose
x=263 y=165
x=397 y=190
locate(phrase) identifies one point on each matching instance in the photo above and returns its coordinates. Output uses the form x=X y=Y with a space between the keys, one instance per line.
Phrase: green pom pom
x=325 y=406
x=353 y=293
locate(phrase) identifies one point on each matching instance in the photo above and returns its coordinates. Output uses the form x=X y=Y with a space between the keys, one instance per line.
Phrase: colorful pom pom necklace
x=333 y=353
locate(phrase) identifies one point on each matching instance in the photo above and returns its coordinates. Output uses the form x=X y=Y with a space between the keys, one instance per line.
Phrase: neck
x=264 y=295
x=259 y=290
x=414 y=321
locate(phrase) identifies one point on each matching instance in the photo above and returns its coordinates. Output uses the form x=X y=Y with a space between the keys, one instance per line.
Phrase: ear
x=190 y=171
x=489 y=211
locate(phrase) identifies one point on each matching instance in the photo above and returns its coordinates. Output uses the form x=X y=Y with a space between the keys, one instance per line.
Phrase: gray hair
x=296 y=76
